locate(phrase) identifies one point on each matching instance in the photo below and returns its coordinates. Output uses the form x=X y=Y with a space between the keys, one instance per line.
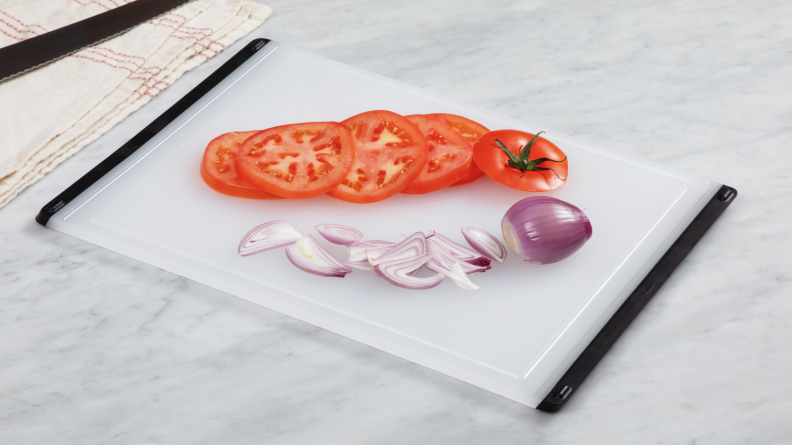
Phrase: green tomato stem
x=521 y=162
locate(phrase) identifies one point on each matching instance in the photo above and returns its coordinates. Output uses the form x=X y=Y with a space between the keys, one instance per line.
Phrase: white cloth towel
x=50 y=113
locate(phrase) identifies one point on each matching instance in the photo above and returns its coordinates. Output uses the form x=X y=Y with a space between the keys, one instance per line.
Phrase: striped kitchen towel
x=50 y=113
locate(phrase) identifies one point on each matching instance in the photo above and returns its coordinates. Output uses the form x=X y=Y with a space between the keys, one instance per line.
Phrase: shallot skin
x=545 y=230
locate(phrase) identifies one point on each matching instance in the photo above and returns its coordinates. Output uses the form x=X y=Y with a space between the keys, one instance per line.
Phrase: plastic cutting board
x=531 y=333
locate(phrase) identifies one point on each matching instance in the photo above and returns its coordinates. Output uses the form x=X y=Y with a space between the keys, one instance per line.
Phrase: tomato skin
x=390 y=153
x=472 y=131
x=475 y=173
x=494 y=161
x=297 y=161
x=450 y=156
x=218 y=167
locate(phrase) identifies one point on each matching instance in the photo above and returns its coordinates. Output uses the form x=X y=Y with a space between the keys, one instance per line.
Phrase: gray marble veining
x=99 y=348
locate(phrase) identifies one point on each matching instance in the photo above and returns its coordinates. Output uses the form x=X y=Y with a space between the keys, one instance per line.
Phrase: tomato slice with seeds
x=297 y=161
x=219 y=172
x=450 y=156
x=472 y=131
x=390 y=153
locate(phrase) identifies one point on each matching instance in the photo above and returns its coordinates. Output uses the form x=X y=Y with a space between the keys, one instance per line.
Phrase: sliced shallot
x=461 y=279
x=454 y=272
x=398 y=272
x=370 y=255
x=308 y=255
x=448 y=258
x=374 y=253
x=412 y=246
x=338 y=234
x=361 y=265
x=268 y=236
x=435 y=264
x=484 y=243
x=357 y=251
x=458 y=251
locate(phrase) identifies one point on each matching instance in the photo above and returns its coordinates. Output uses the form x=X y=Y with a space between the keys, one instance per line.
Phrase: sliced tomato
x=544 y=168
x=297 y=161
x=450 y=156
x=219 y=172
x=472 y=131
x=389 y=153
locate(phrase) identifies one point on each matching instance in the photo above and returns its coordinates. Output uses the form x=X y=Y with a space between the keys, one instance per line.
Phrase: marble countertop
x=100 y=348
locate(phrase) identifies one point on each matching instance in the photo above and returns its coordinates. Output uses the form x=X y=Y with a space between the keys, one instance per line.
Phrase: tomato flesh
x=390 y=153
x=494 y=161
x=450 y=156
x=472 y=131
x=297 y=161
x=218 y=167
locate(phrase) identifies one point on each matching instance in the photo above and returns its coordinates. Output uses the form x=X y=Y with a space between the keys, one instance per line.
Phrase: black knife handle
x=30 y=53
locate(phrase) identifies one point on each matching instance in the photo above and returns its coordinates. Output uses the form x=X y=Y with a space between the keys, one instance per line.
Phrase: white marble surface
x=99 y=348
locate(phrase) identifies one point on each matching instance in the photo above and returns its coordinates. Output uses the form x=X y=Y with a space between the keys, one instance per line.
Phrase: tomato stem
x=521 y=162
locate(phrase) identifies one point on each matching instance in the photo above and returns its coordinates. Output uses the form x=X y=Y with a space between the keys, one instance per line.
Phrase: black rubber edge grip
x=618 y=323
x=149 y=132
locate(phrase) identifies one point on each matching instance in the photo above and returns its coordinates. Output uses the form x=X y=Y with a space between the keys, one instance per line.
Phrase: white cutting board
x=515 y=336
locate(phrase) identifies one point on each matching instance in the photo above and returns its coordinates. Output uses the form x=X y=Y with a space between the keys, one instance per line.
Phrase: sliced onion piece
x=268 y=236
x=338 y=234
x=454 y=272
x=366 y=264
x=448 y=258
x=361 y=265
x=435 y=265
x=376 y=252
x=397 y=272
x=484 y=243
x=412 y=246
x=308 y=255
x=357 y=251
x=458 y=251
x=461 y=279
x=369 y=256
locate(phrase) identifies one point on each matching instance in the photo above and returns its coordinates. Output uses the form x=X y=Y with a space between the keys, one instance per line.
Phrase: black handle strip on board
x=36 y=51
x=149 y=132
x=627 y=312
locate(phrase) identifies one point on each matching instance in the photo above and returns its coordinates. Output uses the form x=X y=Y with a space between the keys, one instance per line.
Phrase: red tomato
x=546 y=164
x=297 y=161
x=472 y=131
x=389 y=153
x=218 y=170
x=450 y=156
